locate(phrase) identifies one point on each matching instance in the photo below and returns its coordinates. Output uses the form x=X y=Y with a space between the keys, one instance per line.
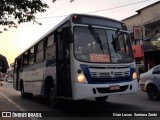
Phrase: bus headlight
x=134 y=75
x=81 y=78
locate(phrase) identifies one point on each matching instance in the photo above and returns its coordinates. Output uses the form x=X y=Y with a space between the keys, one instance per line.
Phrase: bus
x=84 y=56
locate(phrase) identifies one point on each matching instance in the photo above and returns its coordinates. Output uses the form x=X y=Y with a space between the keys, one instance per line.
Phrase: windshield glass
x=108 y=46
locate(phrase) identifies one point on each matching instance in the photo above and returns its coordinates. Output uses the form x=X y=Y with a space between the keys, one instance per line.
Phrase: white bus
x=84 y=56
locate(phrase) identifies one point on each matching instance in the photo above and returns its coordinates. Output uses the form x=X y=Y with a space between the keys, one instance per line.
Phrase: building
x=146 y=24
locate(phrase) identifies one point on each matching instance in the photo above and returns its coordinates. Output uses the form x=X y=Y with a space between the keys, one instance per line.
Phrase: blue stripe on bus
x=86 y=73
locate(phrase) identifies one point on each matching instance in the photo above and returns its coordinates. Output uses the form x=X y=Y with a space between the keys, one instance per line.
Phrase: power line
x=128 y=29
x=100 y=10
x=118 y=6
x=51 y=23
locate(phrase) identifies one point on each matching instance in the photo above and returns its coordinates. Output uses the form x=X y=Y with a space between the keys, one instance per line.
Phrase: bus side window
x=61 y=31
x=40 y=52
x=50 y=47
x=15 y=65
x=25 y=59
x=39 y=56
x=19 y=63
x=31 y=56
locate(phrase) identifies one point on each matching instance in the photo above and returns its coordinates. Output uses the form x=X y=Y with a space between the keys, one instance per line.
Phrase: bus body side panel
x=15 y=83
x=50 y=71
x=32 y=77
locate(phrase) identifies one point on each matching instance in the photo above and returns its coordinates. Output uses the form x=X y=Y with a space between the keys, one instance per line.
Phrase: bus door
x=17 y=67
x=63 y=65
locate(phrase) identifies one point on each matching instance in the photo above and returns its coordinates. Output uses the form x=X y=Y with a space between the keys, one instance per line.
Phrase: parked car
x=150 y=82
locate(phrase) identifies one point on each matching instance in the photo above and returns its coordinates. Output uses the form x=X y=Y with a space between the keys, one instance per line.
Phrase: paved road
x=10 y=100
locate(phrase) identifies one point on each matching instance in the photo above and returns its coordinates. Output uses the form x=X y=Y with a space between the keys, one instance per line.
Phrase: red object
x=138 y=51
x=99 y=57
x=75 y=16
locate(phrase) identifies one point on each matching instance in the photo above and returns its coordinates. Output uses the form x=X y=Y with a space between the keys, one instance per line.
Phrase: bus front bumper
x=84 y=91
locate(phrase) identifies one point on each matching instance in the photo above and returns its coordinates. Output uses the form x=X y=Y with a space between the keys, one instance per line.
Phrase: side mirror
x=67 y=34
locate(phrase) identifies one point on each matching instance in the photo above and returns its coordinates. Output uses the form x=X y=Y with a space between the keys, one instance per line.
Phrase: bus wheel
x=24 y=94
x=53 y=97
x=101 y=99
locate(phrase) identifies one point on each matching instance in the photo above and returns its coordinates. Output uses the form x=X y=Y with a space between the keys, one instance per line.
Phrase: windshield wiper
x=95 y=36
x=114 y=40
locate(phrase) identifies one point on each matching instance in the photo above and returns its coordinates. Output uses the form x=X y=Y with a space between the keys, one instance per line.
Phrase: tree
x=20 y=11
x=3 y=64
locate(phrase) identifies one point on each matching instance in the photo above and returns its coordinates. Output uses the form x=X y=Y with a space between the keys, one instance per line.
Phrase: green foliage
x=20 y=10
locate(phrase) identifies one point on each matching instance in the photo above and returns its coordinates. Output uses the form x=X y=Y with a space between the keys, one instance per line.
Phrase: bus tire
x=23 y=94
x=101 y=99
x=53 y=100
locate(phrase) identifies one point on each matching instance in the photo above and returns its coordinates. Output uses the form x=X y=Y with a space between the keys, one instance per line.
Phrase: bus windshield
x=102 y=45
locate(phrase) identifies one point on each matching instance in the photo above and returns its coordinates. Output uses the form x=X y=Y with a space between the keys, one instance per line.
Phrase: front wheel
x=53 y=100
x=153 y=92
x=101 y=99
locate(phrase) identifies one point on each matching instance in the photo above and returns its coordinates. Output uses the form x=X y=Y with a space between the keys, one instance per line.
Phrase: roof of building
x=148 y=6
x=138 y=11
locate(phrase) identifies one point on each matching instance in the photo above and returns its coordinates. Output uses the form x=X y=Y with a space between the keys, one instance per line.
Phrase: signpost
x=138 y=32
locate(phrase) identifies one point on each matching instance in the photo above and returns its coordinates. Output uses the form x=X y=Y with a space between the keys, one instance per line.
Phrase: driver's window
x=63 y=42
x=156 y=70
x=60 y=48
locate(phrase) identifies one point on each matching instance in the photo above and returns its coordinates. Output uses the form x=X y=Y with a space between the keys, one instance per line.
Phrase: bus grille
x=107 y=77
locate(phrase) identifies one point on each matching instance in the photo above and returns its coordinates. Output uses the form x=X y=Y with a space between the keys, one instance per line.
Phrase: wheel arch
x=48 y=82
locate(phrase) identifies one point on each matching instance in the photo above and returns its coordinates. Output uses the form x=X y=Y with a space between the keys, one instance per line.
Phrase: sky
x=16 y=40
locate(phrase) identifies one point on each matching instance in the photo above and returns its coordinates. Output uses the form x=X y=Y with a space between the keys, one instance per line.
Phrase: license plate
x=116 y=87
